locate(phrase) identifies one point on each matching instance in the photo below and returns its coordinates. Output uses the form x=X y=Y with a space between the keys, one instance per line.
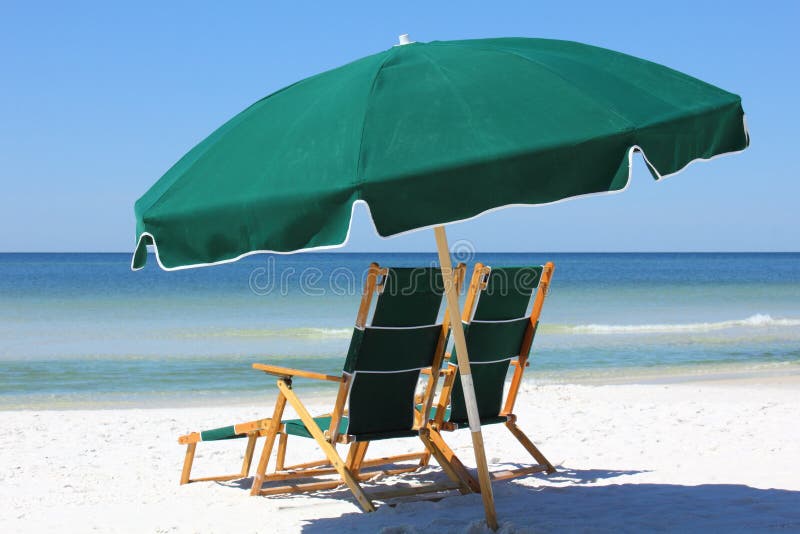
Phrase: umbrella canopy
x=426 y=134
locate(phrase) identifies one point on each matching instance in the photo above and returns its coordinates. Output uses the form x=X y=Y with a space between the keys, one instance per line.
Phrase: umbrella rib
x=359 y=178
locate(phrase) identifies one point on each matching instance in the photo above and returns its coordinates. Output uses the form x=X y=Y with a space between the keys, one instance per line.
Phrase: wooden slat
x=282 y=441
x=366 y=475
x=187 y=463
x=513 y=389
x=272 y=431
x=392 y=459
x=248 y=454
x=301 y=488
x=369 y=290
x=359 y=451
x=287 y=372
x=251 y=426
x=514 y=473
x=301 y=473
x=416 y=490
x=476 y=285
x=218 y=478
x=444 y=395
x=305 y=465
x=338 y=407
x=326 y=471
x=194 y=437
x=308 y=472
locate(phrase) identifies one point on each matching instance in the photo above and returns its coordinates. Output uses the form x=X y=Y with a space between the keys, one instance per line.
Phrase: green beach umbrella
x=427 y=134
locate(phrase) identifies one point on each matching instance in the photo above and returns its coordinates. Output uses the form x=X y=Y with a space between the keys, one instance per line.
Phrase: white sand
x=711 y=456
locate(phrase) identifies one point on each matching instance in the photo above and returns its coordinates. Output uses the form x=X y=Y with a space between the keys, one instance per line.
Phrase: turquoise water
x=82 y=329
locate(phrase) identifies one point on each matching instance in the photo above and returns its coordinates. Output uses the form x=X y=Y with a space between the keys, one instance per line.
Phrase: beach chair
x=499 y=334
x=375 y=399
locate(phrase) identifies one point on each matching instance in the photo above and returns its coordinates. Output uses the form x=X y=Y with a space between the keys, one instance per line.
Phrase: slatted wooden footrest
x=386 y=472
x=321 y=468
x=316 y=485
x=302 y=488
x=306 y=465
x=514 y=473
x=387 y=460
x=221 y=478
x=289 y=474
x=404 y=492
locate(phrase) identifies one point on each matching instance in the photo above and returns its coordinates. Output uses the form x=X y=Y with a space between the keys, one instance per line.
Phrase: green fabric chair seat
x=485 y=420
x=296 y=427
x=216 y=434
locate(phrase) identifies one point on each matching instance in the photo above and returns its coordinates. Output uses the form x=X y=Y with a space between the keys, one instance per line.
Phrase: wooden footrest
x=222 y=478
x=403 y=492
x=514 y=473
x=302 y=488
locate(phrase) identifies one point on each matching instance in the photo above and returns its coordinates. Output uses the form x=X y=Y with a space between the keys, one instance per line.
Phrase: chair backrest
x=497 y=330
x=387 y=355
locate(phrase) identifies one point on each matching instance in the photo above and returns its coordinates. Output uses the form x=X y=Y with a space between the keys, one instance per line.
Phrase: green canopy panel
x=426 y=134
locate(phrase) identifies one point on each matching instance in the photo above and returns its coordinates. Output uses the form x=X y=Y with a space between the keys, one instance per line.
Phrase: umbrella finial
x=404 y=40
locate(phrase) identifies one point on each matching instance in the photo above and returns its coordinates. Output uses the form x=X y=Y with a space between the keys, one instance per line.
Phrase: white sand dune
x=676 y=457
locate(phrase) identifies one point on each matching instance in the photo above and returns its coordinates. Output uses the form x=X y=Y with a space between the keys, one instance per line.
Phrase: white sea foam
x=754 y=321
x=280 y=332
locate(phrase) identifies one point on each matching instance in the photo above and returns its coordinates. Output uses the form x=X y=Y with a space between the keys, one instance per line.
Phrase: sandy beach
x=382 y=198
x=716 y=456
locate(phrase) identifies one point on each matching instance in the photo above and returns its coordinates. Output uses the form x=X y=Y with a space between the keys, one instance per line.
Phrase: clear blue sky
x=98 y=100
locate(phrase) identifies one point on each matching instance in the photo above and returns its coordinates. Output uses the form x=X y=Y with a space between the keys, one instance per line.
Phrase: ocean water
x=81 y=330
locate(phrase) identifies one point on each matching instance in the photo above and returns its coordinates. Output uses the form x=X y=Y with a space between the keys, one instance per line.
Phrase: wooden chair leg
x=266 y=452
x=351 y=453
x=425 y=459
x=281 y=459
x=461 y=477
x=327 y=448
x=448 y=454
x=361 y=452
x=248 y=454
x=530 y=447
x=187 y=463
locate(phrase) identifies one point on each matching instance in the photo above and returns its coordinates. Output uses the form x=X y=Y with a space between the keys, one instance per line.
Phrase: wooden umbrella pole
x=466 y=377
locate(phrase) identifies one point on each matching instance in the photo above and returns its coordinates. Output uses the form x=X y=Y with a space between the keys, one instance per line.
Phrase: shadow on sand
x=586 y=501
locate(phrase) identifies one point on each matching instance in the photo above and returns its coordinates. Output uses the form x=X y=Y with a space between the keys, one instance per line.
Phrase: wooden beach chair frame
x=519 y=362
x=351 y=470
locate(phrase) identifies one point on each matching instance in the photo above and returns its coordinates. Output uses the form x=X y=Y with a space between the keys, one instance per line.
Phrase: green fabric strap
x=386 y=350
x=507 y=294
x=297 y=428
x=216 y=434
x=488 y=380
x=491 y=341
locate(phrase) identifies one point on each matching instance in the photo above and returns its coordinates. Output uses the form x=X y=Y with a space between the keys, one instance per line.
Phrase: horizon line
x=340 y=251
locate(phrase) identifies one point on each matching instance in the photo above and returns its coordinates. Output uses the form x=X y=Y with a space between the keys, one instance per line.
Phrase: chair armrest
x=289 y=373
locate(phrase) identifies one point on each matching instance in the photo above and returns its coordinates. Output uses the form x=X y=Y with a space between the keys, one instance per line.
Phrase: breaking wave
x=754 y=321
